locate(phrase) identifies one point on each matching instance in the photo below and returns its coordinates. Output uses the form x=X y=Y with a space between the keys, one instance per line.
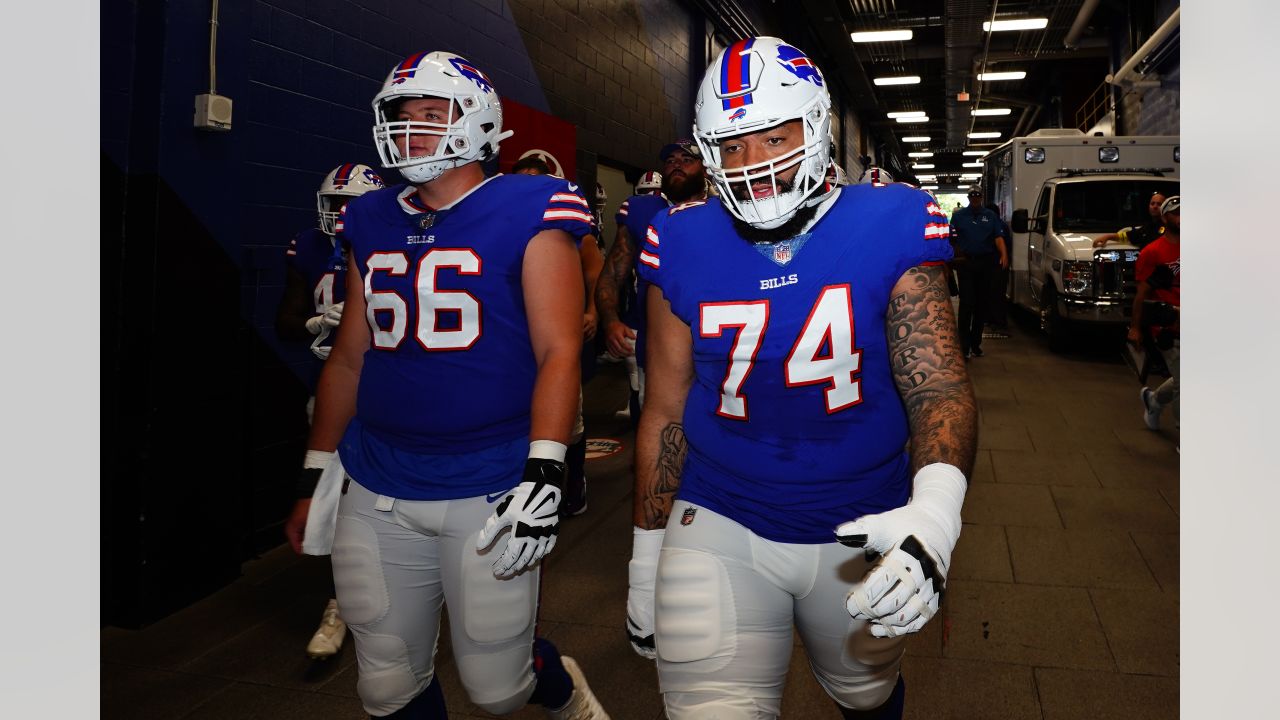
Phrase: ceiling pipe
x=1147 y=48
x=1082 y=21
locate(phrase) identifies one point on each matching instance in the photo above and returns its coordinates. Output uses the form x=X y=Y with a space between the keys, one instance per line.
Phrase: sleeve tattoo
x=672 y=449
x=617 y=268
x=930 y=373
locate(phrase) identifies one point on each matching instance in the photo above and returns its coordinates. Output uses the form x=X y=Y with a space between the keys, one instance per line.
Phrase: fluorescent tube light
x=920 y=154
x=972 y=164
x=914 y=119
x=907 y=113
x=900 y=80
x=880 y=36
x=992 y=134
x=974 y=153
x=1010 y=75
x=917 y=139
x=1016 y=24
x=925 y=166
x=990 y=111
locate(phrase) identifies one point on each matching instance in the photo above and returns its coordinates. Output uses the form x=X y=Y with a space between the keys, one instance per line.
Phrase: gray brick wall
x=619 y=71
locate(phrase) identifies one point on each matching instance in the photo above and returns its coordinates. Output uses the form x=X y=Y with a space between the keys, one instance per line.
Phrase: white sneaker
x=329 y=636
x=1149 y=416
x=582 y=704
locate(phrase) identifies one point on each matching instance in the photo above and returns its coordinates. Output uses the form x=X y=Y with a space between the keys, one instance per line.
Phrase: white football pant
x=395 y=562
x=725 y=603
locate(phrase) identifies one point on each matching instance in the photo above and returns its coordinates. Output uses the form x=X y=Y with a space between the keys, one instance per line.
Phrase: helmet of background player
x=470 y=133
x=649 y=182
x=602 y=197
x=836 y=175
x=756 y=84
x=344 y=182
x=875 y=175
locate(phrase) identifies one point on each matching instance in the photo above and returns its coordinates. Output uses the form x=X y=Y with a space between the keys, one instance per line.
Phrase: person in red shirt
x=1158 y=276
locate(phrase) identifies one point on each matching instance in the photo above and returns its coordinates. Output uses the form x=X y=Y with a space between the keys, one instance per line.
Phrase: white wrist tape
x=548 y=450
x=645 y=545
x=317 y=460
x=938 y=491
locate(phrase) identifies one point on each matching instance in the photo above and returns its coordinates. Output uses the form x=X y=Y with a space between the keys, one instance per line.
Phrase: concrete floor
x=1062 y=602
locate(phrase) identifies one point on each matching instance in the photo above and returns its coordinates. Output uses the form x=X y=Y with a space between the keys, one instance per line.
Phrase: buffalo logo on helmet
x=799 y=64
x=373 y=177
x=738 y=114
x=472 y=73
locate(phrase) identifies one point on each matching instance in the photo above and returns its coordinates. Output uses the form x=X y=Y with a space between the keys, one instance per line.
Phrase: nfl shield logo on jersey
x=782 y=253
x=687 y=517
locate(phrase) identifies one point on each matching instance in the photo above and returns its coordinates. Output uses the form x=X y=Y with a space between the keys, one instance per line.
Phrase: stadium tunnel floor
x=1062 y=600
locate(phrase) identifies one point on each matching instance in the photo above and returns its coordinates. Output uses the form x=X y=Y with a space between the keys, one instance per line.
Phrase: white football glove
x=315 y=325
x=903 y=590
x=531 y=510
x=642 y=574
x=332 y=315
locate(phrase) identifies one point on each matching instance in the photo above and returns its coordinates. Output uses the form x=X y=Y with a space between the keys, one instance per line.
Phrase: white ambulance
x=1061 y=189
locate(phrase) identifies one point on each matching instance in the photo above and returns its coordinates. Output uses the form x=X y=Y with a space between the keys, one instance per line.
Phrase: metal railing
x=1094 y=108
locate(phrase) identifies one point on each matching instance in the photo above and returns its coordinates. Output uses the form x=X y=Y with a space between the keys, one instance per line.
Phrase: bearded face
x=683 y=177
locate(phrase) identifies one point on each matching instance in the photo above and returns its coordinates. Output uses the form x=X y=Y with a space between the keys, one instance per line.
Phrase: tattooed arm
x=613 y=278
x=660 y=441
x=930 y=372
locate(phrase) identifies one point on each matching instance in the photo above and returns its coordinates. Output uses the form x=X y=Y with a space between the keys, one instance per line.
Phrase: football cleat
x=583 y=704
x=329 y=636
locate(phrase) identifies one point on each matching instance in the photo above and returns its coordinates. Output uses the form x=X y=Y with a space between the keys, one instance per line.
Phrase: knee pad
x=386 y=681
x=498 y=682
x=694 y=612
x=866 y=692
x=357 y=573
x=706 y=706
x=495 y=610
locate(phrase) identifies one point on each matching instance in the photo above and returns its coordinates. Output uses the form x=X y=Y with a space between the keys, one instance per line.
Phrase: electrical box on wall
x=213 y=112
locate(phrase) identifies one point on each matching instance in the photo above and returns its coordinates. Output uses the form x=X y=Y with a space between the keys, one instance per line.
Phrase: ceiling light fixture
x=917 y=139
x=925 y=166
x=900 y=80
x=992 y=134
x=919 y=154
x=974 y=153
x=1010 y=75
x=990 y=111
x=914 y=119
x=880 y=36
x=1016 y=24
x=907 y=113
x=971 y=176
x=972 y=164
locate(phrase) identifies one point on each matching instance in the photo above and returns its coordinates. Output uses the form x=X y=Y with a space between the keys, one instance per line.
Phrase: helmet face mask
x=469 y=131
x=754 y=85
x=339 y=186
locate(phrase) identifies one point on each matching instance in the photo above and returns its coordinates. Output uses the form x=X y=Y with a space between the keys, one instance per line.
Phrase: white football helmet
x=474 y=128
x=875 y=175
x=649 y=182
x=756 y=84
x=347 y=180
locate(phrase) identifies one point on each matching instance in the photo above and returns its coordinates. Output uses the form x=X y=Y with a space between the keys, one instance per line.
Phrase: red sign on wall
x=537 y=133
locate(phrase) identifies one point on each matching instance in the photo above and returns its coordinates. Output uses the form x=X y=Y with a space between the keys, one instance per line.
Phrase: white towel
x=322 y=518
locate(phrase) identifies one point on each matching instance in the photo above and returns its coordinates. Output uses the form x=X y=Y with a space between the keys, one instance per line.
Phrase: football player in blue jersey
x=808 y=426
x=619 y=293
x=435 y=464
x=315 y=285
